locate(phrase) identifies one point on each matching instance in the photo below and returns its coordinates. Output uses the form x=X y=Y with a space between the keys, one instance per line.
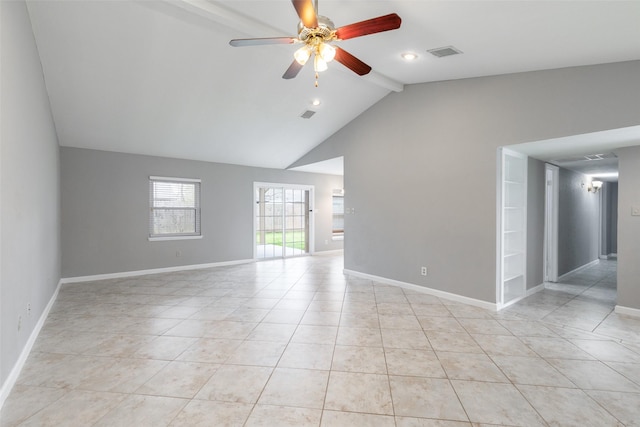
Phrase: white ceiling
x=159 y=77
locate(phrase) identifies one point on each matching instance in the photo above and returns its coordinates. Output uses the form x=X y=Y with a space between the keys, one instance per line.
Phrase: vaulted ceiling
x=160 y=78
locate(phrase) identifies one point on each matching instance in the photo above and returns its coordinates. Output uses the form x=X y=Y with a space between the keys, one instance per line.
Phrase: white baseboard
x=529 y=292
x=535 y=289
x=429 y=291
x=575 y=270
x=627 y=311
x=17 y=368
x=120 y=275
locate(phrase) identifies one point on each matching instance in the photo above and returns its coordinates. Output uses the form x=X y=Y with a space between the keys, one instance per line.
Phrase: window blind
x=174 y=207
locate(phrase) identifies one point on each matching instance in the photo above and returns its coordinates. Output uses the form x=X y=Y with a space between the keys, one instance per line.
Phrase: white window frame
x=197 y=208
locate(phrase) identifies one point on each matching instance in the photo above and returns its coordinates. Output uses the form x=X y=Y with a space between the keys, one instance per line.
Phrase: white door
x=512 y=234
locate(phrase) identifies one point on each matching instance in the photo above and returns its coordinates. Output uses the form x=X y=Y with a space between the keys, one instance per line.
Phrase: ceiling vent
x=444 y=51
x=307 y=114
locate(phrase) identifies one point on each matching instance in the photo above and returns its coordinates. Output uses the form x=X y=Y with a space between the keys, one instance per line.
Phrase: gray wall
x=105 y=210
x=578 y=222
x=628 y=227
x=535 y=222
x=29 y=188
x=420 y=166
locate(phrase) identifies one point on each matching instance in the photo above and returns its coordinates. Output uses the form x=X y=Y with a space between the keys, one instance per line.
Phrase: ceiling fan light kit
x=317 y=33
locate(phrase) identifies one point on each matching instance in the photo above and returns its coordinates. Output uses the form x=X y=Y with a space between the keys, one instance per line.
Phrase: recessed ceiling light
x=409 y=56
x=315 y=102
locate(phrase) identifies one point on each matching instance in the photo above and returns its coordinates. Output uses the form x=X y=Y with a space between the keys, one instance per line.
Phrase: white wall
x=29 y=187
x=420 y=166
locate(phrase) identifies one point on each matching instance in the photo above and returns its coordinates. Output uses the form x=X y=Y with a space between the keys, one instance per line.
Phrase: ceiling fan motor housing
x=324 y=31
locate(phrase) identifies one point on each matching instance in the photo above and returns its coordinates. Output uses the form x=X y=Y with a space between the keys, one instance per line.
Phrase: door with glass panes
x=282 y=220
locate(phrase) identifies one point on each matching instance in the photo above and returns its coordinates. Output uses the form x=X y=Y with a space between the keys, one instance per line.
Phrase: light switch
x=635 y=210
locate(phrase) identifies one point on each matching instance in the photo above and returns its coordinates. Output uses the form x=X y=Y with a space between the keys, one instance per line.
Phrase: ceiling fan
x=317 y=33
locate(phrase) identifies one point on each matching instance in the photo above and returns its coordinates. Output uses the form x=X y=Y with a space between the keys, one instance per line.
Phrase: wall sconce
x=595 y=186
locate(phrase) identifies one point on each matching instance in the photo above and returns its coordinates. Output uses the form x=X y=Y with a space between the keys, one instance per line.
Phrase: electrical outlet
x=326 y=242
x=423 y=271
x=635 y=210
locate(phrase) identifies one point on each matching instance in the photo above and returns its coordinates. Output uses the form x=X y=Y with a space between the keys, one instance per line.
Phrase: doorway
x=283 y=225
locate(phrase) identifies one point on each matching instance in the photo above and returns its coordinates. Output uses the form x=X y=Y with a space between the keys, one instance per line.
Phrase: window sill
x=165 y=238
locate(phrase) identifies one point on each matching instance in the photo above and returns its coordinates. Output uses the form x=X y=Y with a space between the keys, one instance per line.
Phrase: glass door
x=282 y=220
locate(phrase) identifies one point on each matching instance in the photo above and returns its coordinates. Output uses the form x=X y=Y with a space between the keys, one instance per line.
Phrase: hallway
x=584 y=301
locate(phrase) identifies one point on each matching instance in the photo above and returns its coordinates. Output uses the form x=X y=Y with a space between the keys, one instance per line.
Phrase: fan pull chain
x=316 y=79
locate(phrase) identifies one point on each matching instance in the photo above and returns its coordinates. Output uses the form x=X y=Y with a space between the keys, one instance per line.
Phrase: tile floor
x=296 y=343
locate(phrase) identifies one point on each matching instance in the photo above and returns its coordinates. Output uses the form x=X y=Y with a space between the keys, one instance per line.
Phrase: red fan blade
x=262 y=41
x=351 y=62
x=293 y=70
x=370 y=26
x=306 y=12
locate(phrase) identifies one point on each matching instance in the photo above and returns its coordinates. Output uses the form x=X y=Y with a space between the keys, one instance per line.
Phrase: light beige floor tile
x=24 y=401
x=234 y=383
x=257 y=353
x=352 y=419
x=494 y=403
x=191 y=328
x=531 y=371
x=210 y=350
x=179 y=379
x=400 y=338
x=594 y=375
x=311 y=334
x=471 y=366
x=425 y=398
x=483 y=326
x=302 y=388
x=457 y=342
x=291 y=317
x=283 y=416
x=413 y=362
x=359 y=319
x=625 y=406
x=120 y=375
x=356 y=392
x=321 y=318
x=203 y=413
x=76 y=408
x=164 y=347
x=502 y=345
x=431 y=310
x=276 y=332
x=527 y=328
x=396 y=321
x=556 y=348
x=629 y=370
x=307 y=356
x=568 y=407
x=364 y=337
x=230 y=329
x=608 y=351
x=141 y=411
x=427 y=422
x=359 y=359
x=441 y=324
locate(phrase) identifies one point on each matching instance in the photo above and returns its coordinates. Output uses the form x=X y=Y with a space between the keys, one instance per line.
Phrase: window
x=338 y=214
x=174 y=208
